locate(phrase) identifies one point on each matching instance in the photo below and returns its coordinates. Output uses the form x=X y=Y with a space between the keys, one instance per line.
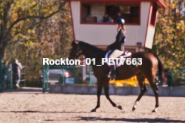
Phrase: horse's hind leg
x=154 y=87
x=106 y=90
x=143 y=88
x=151 y=78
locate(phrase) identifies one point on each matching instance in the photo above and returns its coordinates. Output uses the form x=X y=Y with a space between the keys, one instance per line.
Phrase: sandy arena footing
x=65 y=108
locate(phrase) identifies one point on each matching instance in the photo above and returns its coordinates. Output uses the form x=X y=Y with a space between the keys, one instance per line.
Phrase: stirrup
x=111 y=76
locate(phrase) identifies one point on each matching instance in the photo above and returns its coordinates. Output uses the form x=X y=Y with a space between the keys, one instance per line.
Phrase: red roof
x=160 y=3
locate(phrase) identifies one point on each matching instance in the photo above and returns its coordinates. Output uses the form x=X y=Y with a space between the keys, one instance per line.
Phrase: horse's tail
x=160 y=69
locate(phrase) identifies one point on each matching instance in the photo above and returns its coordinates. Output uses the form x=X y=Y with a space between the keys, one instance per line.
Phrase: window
x=153 y=16
x=108 y=13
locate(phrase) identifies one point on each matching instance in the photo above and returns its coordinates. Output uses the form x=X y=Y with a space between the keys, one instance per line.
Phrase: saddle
x=117 y=54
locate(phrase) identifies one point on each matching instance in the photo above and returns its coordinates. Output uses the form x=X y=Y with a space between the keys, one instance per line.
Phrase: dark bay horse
x=148 y=70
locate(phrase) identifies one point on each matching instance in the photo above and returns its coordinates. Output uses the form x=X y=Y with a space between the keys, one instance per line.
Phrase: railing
x=76 y=74
x=174 y=77
x=23 y=75
x=8 y=84
x=177 y=76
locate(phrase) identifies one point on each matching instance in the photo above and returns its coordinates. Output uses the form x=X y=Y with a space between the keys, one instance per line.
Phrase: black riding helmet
x=120 y=21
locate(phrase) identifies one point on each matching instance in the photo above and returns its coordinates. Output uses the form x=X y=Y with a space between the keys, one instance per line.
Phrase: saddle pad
x=116 y=54
x=107 y=56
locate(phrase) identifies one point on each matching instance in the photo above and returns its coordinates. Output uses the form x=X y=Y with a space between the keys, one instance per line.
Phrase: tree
x=18 y=19
x=49 y=37
x=169 y=40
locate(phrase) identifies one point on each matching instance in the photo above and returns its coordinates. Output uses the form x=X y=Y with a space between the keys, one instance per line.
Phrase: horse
x=148 y=69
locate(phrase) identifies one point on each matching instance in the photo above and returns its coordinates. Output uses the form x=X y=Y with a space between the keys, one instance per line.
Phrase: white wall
x=150 y=31
x=97 y=34
x=149 y=37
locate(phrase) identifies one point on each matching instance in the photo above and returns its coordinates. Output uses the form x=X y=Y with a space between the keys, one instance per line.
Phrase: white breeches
x=116 y=53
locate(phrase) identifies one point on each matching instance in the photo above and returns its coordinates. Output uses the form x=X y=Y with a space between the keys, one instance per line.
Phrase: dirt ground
x=65 y=108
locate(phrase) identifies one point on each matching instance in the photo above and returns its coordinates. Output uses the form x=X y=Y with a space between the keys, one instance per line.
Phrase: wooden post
x=44 y=78
x=10 y=72
x=171 y=82
x=89 y=75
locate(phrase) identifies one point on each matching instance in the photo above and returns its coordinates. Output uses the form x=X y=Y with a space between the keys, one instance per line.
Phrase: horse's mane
x=91 y=47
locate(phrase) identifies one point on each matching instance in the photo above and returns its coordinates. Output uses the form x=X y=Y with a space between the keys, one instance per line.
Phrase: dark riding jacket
x=119 y=43
x=120 y=39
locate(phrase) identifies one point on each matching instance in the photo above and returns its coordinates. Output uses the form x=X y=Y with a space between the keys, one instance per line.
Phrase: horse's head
x=75 y=50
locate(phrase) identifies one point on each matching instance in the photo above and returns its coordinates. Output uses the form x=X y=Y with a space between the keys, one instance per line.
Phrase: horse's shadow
x=32 y=111
x=129 y=119
x=99 y=118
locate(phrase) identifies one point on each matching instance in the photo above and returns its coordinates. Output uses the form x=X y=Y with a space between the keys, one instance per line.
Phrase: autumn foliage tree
x=18 y=19
x=33 y=29
x=169 y=41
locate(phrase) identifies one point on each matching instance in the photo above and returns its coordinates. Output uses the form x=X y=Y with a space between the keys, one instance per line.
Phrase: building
x=89 y=26
x=140 y=17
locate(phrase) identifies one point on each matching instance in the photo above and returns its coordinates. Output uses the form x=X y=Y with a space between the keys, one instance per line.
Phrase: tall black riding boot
x=113 y=72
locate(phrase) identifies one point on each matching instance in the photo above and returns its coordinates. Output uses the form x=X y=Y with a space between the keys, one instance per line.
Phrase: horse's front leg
x=106 y=90
x=99 y=89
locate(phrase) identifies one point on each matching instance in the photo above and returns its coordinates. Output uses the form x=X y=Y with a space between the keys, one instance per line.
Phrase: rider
x=120 y=40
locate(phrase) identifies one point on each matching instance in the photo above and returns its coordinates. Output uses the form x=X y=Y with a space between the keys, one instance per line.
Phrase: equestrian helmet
x=120 y=21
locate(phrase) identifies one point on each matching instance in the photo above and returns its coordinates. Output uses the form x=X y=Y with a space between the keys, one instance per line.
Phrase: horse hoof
x=94 y=110
x=155 y=110
x=133 y=109
x=119 y=107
